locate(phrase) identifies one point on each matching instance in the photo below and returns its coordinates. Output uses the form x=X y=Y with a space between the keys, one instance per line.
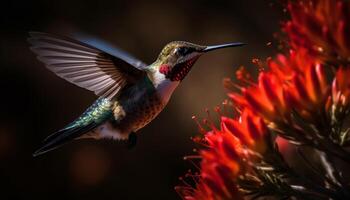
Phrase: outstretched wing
x=84 y=65
x=110 y=49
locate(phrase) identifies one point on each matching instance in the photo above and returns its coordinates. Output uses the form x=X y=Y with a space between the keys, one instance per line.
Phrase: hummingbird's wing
x=112 y=50
x=84 y=65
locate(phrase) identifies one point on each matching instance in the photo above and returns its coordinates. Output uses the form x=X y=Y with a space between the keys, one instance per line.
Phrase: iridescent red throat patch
x=179 y=71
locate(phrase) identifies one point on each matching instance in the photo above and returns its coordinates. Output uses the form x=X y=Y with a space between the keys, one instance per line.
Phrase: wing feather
x=84 y=65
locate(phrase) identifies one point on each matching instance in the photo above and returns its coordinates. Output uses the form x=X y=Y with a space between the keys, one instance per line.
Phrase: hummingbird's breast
x=136 y=106
x=139 y=105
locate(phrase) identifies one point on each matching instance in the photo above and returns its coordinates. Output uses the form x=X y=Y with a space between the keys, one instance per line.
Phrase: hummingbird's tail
x=94 y=116
x=63 y=136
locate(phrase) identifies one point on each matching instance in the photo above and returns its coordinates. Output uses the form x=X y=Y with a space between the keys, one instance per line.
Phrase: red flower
x=222 y=160
x=265 y=98
x=322 y=27
x=294 y=83
x=306 y=90
x=249 y=129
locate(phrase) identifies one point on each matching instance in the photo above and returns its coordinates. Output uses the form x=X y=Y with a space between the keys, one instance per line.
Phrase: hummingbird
x=131 y=93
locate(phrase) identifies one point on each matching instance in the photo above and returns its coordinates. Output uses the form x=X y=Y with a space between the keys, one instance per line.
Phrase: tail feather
x=63 y=136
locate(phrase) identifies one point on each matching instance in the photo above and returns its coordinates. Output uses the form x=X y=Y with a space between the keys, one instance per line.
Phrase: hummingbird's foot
x=132 y=140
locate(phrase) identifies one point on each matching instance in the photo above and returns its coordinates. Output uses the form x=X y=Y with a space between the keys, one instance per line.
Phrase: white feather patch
x=164 y=86
x=106 y=131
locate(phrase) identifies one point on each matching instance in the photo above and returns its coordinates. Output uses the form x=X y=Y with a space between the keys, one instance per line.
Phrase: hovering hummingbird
x=131 y=93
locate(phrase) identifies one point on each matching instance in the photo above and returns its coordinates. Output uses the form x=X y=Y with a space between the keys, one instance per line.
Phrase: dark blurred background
x=34 y=102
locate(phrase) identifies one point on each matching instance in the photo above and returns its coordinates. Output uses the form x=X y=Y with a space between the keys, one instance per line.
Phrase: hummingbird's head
x=178 y=57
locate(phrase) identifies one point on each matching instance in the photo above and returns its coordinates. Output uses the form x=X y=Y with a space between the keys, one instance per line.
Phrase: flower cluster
x=322 y=26
x=293 y=82
x=226 y=152
x=293 y=87
x=302 y=96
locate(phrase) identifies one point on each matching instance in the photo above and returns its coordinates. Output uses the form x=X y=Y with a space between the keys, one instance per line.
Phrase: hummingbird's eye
x=181 y=51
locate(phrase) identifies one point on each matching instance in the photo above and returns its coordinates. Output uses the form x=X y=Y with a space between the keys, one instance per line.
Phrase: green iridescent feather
x=97 y=113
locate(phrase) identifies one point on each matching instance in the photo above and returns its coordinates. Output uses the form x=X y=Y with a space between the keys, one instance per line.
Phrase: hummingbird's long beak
x=214 y=47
